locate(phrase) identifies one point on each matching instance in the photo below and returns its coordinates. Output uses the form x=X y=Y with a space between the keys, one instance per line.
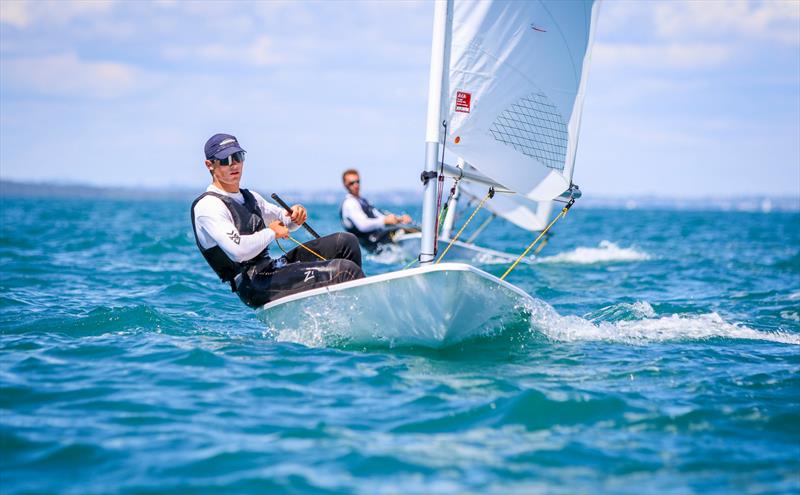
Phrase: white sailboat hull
x=432 y=306
x=459 y=252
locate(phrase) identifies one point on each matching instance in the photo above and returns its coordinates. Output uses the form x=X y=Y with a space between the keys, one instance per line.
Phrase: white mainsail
x=510 y=79
x=516 y=81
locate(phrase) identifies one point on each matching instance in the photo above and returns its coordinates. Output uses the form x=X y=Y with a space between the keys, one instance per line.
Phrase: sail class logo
x=463 y=101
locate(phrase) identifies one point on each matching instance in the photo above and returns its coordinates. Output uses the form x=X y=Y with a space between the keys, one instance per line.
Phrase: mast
x=437 y=89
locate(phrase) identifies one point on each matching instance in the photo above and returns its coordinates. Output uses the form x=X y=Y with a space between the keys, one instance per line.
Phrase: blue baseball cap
x=221 y=146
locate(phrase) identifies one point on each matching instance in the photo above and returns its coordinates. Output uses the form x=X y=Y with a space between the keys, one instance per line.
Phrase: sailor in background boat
x=372 y=227
x=233 y=228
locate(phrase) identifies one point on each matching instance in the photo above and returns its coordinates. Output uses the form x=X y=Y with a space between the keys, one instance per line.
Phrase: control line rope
x=558 y=217
x=480 y=229
x=489 y=195
x=302 y=246
x=439 y=191
x=410 y=264
x=307 y=248
x=446 y=204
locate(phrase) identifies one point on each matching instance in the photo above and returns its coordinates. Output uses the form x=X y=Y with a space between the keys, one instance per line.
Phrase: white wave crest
x=319 y=325
x=790 y=315
x=492 y=259
x=624 y=311
x=651 y=328
x=605 y=252
x=643 y=309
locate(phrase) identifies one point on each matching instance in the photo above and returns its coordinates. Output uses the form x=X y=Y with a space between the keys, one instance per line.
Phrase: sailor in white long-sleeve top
x=372 y=227
x=233 y=228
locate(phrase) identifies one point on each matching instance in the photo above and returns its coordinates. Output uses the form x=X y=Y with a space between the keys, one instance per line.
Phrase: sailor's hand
x=405 y=219
x=390 y=219
x=281 y=232
x=299 y=214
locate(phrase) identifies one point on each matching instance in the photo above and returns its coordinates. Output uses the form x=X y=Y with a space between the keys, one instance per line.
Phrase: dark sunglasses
x=352 y=182
x=237 y=157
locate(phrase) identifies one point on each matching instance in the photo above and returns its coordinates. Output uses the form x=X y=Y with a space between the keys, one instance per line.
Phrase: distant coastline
x=754 y=203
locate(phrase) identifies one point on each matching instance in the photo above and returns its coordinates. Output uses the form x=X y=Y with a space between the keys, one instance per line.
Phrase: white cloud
x=728 y=21
x=25 y=13
x=67 y=75
x=607 y=95
x=661 y=57
x=259 y=52
x=773 y=20
x=15 y=13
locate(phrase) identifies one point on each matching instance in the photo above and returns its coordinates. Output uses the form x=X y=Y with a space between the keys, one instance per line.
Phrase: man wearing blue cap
x=233 y=228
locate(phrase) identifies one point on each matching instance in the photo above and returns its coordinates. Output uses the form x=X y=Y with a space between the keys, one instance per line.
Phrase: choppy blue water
x=664 y=358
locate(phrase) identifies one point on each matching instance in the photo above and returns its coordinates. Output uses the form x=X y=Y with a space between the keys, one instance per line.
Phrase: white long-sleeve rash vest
x=214 y=225
x=352 y=212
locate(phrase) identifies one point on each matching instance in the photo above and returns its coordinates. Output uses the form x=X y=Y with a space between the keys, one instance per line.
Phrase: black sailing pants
x=300 y=270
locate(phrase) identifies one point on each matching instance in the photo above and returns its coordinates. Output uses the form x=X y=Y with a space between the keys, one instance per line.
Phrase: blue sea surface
x=663 y=357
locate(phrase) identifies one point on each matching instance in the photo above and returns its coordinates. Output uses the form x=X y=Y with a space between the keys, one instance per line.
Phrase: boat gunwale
x=394 y=275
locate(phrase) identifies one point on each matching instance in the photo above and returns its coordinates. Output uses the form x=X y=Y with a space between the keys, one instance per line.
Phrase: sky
x=684 y=99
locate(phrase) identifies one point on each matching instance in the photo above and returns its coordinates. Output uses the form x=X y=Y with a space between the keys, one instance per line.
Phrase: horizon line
x=180 y=190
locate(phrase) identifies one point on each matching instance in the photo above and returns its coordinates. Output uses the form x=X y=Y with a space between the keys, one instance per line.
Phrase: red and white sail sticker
x=463 y=101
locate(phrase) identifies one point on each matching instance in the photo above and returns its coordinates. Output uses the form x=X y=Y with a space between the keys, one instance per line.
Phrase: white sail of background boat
x=505 y=94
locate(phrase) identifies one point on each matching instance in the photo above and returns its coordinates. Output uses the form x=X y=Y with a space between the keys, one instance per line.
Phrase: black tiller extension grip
x=289 y=210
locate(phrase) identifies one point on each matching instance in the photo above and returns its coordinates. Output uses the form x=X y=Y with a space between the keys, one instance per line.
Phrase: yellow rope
x=440 y=220
x=540 y=247
x=409 y=265
x=480 y=205
x=514 y=265
x=306 y=248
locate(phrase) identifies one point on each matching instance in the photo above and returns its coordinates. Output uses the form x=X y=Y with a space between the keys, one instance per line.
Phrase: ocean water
x=661 y=355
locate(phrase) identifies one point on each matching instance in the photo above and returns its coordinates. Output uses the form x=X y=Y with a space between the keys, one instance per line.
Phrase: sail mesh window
x=534 y=127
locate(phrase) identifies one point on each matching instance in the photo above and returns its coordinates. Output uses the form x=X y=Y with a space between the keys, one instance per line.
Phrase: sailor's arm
x=352 y=211
x=215 y=228
x=392 y=218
